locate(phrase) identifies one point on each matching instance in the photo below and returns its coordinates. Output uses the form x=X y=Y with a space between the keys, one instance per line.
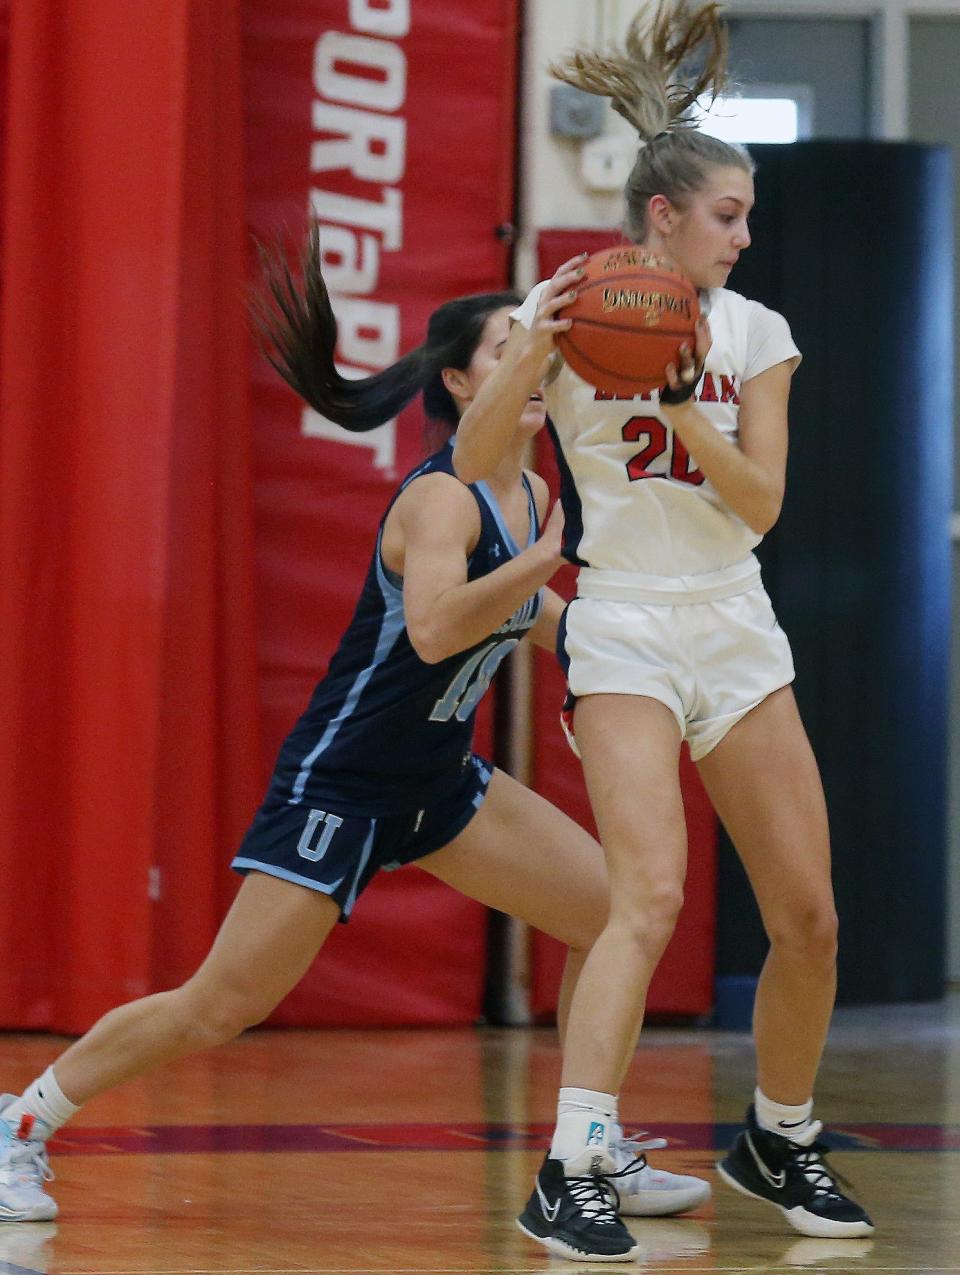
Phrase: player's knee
x=807 y=930
x=215 y=1015
x=662 y=905
x=648 y=921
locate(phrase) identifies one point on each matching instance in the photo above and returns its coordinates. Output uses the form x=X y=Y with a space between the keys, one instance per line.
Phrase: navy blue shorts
x=339 y=854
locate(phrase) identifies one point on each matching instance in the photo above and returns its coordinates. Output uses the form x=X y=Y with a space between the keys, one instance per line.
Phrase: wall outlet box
x=574 y=113
x=605 y=162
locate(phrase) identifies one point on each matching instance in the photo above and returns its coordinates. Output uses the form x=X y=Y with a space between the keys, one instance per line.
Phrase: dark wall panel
x=853 y=243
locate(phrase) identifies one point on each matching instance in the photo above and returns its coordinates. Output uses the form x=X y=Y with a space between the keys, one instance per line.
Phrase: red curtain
x=141 y=459
x=128 y=738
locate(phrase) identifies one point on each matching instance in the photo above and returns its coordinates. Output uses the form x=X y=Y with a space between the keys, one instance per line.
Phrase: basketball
x=630 y=317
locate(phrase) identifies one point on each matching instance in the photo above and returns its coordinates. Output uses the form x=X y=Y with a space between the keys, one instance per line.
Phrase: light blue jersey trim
x=364 y=860
x=271 y=871
x=486 y=774
x=391 y=627
x=494 y=508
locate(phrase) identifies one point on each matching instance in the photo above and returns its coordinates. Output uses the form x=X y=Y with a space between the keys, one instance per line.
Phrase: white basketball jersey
x=632 y=497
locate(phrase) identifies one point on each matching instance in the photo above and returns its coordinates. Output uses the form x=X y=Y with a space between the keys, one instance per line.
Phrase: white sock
x=44 y=1102
x=776 y=1117
x=585 y=1120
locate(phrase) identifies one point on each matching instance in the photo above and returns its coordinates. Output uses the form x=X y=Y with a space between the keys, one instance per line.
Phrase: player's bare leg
x=631 y=747
x=266 y=942
x=572 y=969
x=524 y=856
x=764 y=783
x=265 y=945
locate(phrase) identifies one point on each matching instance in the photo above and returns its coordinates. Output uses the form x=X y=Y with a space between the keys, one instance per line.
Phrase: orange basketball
x=631 y=315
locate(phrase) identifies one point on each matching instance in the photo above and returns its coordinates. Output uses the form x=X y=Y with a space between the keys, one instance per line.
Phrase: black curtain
x=853 y=244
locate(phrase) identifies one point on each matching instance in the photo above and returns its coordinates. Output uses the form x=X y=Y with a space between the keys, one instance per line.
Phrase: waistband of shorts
x=635 y=586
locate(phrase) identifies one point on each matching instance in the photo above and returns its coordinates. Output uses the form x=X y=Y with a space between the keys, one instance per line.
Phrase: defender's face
x=485 y=359
x=710 y=232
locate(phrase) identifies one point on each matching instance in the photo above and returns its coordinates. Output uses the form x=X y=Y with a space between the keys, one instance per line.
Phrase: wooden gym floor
x=412 y=1151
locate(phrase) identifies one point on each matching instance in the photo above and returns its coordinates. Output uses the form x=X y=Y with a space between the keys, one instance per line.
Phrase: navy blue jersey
x=384 y=731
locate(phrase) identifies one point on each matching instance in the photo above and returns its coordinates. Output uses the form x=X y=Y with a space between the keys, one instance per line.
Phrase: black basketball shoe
x=795 y=1177
x=576 y=1217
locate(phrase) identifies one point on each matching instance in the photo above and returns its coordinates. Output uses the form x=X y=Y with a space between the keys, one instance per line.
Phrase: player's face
x=709 y=234
x=485 y=359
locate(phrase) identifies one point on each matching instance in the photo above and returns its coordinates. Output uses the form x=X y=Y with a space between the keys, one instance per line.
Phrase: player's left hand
x=683 y=380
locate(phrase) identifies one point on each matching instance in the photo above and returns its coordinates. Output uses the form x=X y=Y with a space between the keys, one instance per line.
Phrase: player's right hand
x=559 y=291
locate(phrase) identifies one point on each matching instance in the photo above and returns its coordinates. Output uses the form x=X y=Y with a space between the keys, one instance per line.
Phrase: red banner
x=391 y=122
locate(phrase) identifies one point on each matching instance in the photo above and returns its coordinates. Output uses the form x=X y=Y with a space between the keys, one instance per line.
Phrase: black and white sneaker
x=576 y=1218
x=793 y=1175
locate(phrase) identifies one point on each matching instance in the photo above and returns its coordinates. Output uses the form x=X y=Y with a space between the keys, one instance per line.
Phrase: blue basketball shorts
x=339 y=854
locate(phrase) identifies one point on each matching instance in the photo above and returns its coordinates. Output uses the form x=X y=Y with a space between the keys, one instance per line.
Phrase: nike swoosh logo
x=776 y=1180
x=549 y=1211
x=790 y=1124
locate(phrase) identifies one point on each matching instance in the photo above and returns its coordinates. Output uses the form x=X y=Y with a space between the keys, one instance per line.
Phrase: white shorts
x=709 y=653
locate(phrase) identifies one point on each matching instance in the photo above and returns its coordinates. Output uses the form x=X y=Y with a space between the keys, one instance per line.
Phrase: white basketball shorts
x=709 y=648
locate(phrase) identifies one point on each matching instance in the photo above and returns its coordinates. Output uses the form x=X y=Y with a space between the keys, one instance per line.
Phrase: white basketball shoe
x=27 y=1248
x=648 y=1192
x=23 y=1172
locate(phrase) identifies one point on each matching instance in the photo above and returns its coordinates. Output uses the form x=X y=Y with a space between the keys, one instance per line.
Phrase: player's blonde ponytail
x=644 y=79
x=651 y=82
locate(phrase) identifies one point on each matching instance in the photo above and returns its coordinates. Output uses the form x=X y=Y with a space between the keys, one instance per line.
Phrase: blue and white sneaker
x=648 y=1192
x=23 y=1172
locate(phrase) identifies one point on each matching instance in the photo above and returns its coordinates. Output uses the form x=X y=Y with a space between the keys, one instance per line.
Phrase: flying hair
x=649 y=80
x=673 y=55
x=297 y=332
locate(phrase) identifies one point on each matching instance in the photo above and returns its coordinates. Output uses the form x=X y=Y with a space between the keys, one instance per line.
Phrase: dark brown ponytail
x=298 y=335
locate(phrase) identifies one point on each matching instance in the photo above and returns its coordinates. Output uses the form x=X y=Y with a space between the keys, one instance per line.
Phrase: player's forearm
x=467 y=613
x=544 y=632
x=743 y=485
x=488 y=426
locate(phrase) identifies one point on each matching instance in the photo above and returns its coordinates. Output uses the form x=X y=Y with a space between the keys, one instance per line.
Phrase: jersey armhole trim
x=793 y=359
